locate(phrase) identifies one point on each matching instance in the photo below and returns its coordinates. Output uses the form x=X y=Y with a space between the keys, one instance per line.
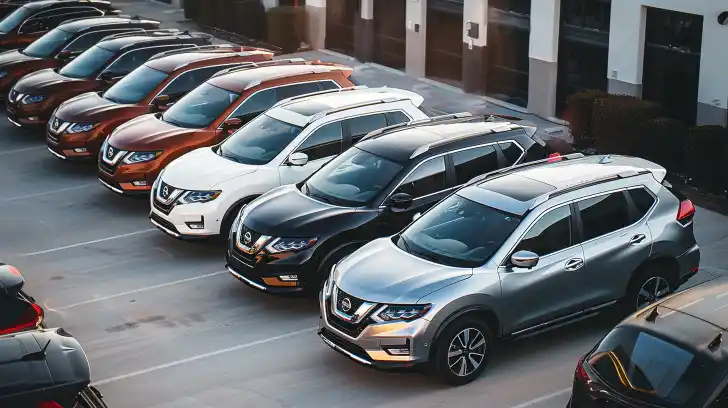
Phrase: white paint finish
x=367 y=9
x=626 y=41
x=476 y=11
x=544 y=37
x=316 y=3
x=96 y=241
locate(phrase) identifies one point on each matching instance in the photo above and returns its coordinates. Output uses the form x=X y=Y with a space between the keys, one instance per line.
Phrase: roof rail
x=149 y=33
x=211 y=49
x=315 y=69
x=250 y=65
x=519 y=167
x=496 y=128
x=601 y=180
x=324 y=92
x=71 y=20
x=432 y=119
x=325 y=113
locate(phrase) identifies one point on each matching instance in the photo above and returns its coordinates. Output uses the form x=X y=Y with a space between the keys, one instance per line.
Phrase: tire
x=647 y=287
x=451 y=368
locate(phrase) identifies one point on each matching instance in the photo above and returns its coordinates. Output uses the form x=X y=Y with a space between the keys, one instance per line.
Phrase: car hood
x=9 y=59
x=147 y=132
x=286 y=212
x=45 y=81
x=90 y=107
x=202 y=169
x=382 y=273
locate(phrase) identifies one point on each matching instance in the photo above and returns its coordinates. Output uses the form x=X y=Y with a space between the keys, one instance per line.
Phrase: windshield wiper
x=429 y=257
x=320 y=197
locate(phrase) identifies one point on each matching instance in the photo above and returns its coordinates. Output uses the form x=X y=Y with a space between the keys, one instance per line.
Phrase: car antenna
x=653 y=315
x=38 y=355
x=716 y=342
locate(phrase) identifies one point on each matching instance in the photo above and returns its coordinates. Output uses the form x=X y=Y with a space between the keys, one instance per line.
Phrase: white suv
x=200 y=193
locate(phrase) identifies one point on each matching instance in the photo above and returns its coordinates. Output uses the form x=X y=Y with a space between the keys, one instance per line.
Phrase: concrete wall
x=543 y=52
x=416 y=48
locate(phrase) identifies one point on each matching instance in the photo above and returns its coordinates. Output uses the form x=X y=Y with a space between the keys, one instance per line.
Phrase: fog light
x=83 y=150
x=288 y=278
x=137 y=183
x=398 y=350
x=195 y=225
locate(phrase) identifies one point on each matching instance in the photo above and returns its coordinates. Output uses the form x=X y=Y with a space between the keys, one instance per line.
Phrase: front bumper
x=174 y=219
x=121 y=178
x=33 y=115
x=689 y=263
x=77 y=146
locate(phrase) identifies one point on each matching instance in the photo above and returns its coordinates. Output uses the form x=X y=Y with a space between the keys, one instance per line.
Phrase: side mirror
x=232 y=124
x=298 y=159
x=161 y=102
x=400 y=201
x=416 y=217
x=107 y=76
x=524 y=259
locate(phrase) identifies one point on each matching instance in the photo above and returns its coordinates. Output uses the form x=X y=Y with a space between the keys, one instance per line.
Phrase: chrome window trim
x=189 y=71
x=99 y=31
x=141 y=49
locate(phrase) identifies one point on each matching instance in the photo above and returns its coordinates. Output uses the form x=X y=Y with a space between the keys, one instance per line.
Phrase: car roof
x=239 y=80
x=521 y=188
x=60 y=3
x=138 y=40
x=83 y=24
x=177 y=60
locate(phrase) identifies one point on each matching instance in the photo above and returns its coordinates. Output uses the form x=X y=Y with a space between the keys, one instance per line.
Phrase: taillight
x=581 y=374
x=686 y=211
x=554 y=157
x=14 y=270
x=30 y=319
x=49 y=404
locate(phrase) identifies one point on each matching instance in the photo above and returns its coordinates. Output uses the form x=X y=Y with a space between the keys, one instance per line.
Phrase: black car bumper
x=264 y=276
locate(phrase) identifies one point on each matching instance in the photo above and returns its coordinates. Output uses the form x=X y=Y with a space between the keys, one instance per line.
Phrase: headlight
x=80 y=127
x=290 y=244
x=401 y=312
x=3 y=74
x=159 y=177
x=199 y=196
x=140 y=157
x=31 y=99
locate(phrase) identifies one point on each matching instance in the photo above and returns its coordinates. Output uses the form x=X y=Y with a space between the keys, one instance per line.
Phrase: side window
x=360 y=126
x=398 y=117
x=643 y=201
x=551 y=233
x=59 y=19
x=428 y=178
x=603 y=214
x=290 y=91
x=134 y=59
x=88 y=40
x=190 y=80
x=324 y=142
x=326 y=85
x=512 y=152
x=255 y=105
x=474 y=162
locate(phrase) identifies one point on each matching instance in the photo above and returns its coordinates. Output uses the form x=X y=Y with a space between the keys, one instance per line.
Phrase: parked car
x=513 y=253
x=80 y=125
x=45 y=368
x=63 y=44
x=371 y=190
x=137 y=151
x=19 y=311
x=31 y=21
x=8 y=6
x=200 y=194
x=672 y=354
x=34 y=97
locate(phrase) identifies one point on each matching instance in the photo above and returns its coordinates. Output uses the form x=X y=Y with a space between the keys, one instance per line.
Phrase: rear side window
x=326 y=85
x=255 y=105
x=474 y=162
x=88 y=40
x=428 y=178
x=290 y=91
x=604 y=214
x=643 y=201
x=360 y=126
x=324 y=142
x=190 y=80
x=551 y=233
x=398 y=117
x=134 y=59
x=512 y=152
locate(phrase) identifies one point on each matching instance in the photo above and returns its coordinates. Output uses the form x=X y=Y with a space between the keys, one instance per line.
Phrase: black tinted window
x=88 y=40
x=190 y=80
x=398 y=117
x=260 y=141
x=290 y=91
x=255 y=105
x=324 y=142
x=550 y=234
x=642 y=200
x=474 y=162
x=326 y=85
x=359 y=127
x=134 y=59
x=604 y=214
x=135 y=86
x=428 y=178
x=511 y=151
x=55 y=21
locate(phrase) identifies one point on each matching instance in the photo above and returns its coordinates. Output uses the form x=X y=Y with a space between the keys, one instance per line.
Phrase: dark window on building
x=290 y=91
x=506 y=74
x=590 y=14
x=675 y=30
x=513 y=6
x=604 y=214
x=398 y=117
x=324 y=142
x=643 y=201
x=474 y=162
x=550 y=234
x=512 y=151
x=359 y=127
x=428 y=178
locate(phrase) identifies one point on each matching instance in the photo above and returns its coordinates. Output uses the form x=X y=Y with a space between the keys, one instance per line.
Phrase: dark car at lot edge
x=62 y=44
x=671 y=354
x=33 y=99
x=45 y=368
x=18 y=310
x=31 y=21
x=80 y=125
x=373 y=189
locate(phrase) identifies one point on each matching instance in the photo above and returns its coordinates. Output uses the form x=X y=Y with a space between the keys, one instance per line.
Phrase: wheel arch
x=669 y=263
x=482 y=313
x=233 y=209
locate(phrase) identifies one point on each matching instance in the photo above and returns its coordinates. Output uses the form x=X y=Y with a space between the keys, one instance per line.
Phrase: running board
x=561 y=321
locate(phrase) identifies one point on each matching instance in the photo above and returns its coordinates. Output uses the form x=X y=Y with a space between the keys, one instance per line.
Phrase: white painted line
x=48 y=192
x=96 y=241
x=131 y=292
x=544 y=398
x=201 y=356
x=21 y=150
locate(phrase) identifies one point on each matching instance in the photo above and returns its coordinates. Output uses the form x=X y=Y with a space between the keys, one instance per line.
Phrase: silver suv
x=512 y=253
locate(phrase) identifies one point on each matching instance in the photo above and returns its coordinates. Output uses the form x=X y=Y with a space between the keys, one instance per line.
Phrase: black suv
x=29 y=22
x=45 y=368
x=671 y=354
x=18 y=311
x=290 y=237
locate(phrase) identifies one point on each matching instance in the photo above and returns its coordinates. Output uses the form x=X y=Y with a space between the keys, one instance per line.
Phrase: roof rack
x=250 y=65
x=315 y=69
x=389 y=99
x=212 y=49
x=324 y=92
x=601 y=180
x=519 y=167
x=71 y=20
x=430 y=120
x=149 y=33
x=496 y=128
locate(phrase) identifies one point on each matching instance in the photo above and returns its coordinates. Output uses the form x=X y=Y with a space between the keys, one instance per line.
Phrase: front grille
x=53 y=138
x=106 y=167
x=350 y=329
x=355 y=302
x=164 y=208
x=243 y=257
x=351 y=348
x=248 y=237
x=166 y=224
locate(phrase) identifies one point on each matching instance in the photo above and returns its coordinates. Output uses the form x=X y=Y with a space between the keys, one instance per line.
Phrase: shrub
x=193 y=8
x=706 y=158
x=663 y=141
x=287 y=27
x=616 y=119
x=250 y=19
x=579 y=108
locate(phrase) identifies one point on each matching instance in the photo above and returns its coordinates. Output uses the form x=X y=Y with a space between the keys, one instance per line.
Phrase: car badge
x=346 y=304
x=165 y=192
x=247 y=237
x=110 y=152
x=56 y=124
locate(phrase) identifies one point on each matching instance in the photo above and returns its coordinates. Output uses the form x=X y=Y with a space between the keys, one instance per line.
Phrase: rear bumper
x=689 y=263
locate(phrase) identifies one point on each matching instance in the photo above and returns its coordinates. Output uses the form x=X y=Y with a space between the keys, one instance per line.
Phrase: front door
x=322 y=145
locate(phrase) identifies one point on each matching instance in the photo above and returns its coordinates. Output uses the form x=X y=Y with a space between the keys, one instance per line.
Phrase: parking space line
x=131 y=292
x=21 y=150
x=48 y=192
x=543 y=398
x=202 y=356
x=96 y=241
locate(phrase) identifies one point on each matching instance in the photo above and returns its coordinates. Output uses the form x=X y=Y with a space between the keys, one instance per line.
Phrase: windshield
x=47 y=45
x=352 y=179
x=642 y=366
x=13 y=20
x=87 y=64
x=135 y=86
x=458 y=232
x=259 y=141
x=199 y=108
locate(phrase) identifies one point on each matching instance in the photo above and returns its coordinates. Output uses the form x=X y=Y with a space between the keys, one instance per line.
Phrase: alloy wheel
x=651 y=291
x=466 y=352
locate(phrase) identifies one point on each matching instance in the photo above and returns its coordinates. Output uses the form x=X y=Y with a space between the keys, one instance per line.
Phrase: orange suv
x=79 y=125
x=132 y=157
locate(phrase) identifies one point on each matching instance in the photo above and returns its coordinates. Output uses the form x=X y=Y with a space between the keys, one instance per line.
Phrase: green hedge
x=663 y=141
x=579 y=109
x=706 y=158
x=616 y=119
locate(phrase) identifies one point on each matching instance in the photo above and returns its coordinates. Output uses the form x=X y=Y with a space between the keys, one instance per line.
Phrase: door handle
x=574 y=264
x=637 y=239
